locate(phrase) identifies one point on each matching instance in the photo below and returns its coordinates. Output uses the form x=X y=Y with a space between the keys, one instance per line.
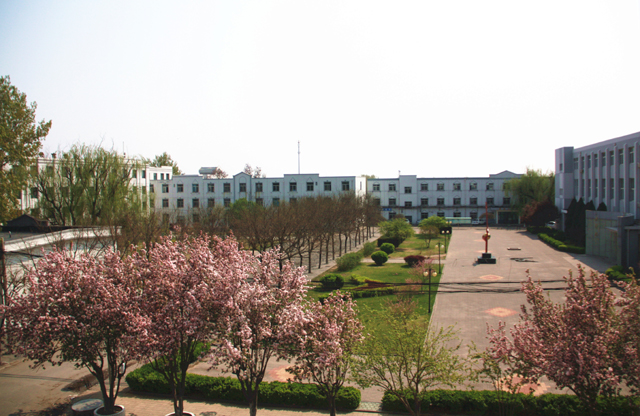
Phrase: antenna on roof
x=298 y=157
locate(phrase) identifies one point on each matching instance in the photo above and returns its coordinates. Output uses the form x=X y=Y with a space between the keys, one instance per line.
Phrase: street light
x=446 y=231
x=439 y=266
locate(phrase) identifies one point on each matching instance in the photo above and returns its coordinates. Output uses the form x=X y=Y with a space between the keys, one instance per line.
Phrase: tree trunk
x=332 y=404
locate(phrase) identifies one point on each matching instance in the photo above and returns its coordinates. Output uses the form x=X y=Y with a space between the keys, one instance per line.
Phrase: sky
x=427 y=88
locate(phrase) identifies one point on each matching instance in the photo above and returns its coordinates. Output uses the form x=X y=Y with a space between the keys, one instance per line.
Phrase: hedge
x=559 y=245
x=332 y=281
x=414 y=259
x=395 y=241
x=487 y=402
x=217 y=389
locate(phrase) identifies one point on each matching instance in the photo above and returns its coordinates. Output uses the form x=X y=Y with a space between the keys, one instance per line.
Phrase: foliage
x=533 y=186
x=87 y=185
x=387 y=248
x=616 y=273
x=259 y=318
x=184 y=287
x=324 y=348
x=602 y=207
x=629 y=355
x=403 y=356
x=21 y=138
x=83 y=310
x=332 y=281
x=368 y=249
x=396 y=228
x=429 y=232
x=538 y=213
x=254 y=173
x=413 y=260
x=574 y=344
x=379 y=258
x=224 y=389
x=576 y=223
x=165 y=160
x=433 y=221
x=349 y=261
x=559 y=245
x=394 y=240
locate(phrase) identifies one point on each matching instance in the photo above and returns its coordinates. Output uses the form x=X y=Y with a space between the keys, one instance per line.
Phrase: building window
x=424 y=215
x=506 y=201
x=165 y=188
x=276 y=202
x=440 y=187
x=309 y=186
x=195 y=188
x=603 y=188
x=258 y=186
x=473 y=201
x=490 y=201
x=243 y=187
x=345 y=185
x=327 y=186
x=392 y=202
x=196 y=218
x=376 y=187
x=490 y=186
x=560 y=168
x=631 y=158
x=456 y=201
x=595 y=188
x=392 y=187
x=457 y=214
x=165 y=203
x=259 y=202
x=588 y=161
x=134 y=172
x=632 y=189
x=180 y=187
x=151 y=188
x=143 y=173
x=168 y=176
x=473 y=186
x=211 y=187
x=612 y=185
x=407 y=189
x=424 y=202
x=195 y=202
x=604 y=159
x=588 y=188
x=180 y=203
x=582 y=162
x=407 y=204
x=457 y=186
x=611 y=161
x=162 y=176
x=180 y=219
x=155 y=176
x=440 y=201
x=275 y=187
x=293 y=186
x=226 y=187
x=227 y=202
x=621 y=190
x=376 y=202
x=473 y=215
x=441 y=214
x=620 y=156
x=424 y=186
x=211 y=202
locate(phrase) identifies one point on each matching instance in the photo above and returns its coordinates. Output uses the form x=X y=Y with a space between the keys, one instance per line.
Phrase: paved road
x=472 y=295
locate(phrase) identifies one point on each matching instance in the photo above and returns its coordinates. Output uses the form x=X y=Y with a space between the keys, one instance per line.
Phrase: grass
x=416 y=245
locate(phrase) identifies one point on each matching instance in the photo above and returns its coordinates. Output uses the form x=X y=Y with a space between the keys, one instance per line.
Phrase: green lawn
x=416 y=245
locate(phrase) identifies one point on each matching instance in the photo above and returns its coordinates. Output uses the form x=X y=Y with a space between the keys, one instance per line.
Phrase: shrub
x=349 y=261
x=395 y=241
x=413 y=260
x=368 y=249
x=218 y=389
x=356 y=279
x=388 y=248
x=379 y=258
x=332 y=281
x=616 y=273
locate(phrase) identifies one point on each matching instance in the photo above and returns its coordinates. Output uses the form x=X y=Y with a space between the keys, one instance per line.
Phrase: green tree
x=396 y=228
x=433 y=221
x=20 y=142
x=403 y=356
x=532 y=186
x=87 y=185
x=165 y=160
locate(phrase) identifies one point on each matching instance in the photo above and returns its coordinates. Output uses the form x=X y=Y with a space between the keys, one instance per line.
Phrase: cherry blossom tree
x=574 y=343
x=259 y=320
x=404 y=356
x=329 y=337
x=182 y=300
x=629 y=353
x=83 y=310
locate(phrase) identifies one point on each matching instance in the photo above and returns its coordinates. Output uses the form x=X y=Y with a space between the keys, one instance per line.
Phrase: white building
x=604 y=172
x=184 y=195
x=419 y=198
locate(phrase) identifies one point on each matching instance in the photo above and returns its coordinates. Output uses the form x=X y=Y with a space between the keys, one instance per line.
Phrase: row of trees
x=163 y=303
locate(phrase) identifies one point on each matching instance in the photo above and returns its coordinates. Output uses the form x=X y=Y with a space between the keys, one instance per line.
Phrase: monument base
x=487 y=258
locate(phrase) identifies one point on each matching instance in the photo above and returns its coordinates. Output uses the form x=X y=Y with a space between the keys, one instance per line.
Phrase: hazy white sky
x=428 y=88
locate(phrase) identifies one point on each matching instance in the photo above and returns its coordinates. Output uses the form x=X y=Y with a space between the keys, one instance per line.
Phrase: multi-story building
x=419 y=198
x=183 y=196
x=604 y=172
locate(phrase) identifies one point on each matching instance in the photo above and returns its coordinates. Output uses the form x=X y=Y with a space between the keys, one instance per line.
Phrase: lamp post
x=446 y=231
x=439 y=266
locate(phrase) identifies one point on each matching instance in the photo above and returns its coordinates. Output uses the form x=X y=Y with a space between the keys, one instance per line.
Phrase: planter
x=119 y=411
